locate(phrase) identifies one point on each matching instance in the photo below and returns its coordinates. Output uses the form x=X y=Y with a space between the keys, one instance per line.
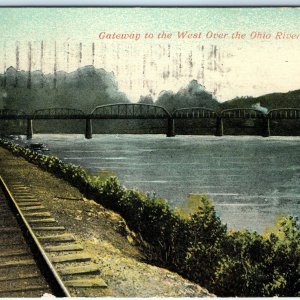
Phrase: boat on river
x=38 y=147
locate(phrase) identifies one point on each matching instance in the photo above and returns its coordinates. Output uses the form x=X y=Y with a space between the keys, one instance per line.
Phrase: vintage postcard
x=149 y=151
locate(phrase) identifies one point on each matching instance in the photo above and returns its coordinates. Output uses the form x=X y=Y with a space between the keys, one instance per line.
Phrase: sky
x=257 y=64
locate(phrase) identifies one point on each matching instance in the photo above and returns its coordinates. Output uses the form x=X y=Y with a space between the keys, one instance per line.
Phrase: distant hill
x=271 y=101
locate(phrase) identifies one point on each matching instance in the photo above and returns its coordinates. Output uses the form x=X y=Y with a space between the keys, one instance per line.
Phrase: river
x=250 y=179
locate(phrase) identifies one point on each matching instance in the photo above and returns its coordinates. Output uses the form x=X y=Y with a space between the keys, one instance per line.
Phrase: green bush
x=192 y=242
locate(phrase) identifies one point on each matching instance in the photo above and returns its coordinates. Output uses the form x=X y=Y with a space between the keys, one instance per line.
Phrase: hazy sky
x=227 y=67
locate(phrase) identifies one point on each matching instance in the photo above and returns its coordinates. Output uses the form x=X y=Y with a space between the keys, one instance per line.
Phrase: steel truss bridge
x=152 y=112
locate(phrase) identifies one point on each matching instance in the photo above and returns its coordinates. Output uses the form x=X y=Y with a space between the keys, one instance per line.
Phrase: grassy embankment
x=196 y=245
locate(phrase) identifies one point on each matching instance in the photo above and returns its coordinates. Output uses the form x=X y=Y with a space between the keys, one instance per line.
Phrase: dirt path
x=102 y=233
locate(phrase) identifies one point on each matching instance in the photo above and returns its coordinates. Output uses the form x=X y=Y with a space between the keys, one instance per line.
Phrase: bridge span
x=133 y=111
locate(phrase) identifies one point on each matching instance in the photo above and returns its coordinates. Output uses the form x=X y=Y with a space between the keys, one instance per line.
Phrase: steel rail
x=43 y=262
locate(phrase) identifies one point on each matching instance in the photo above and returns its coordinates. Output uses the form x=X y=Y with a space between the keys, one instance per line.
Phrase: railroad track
x=37 y=254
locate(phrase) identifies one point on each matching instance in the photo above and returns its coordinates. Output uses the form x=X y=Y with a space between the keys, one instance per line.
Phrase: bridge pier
x=171 y=127
x=219 y=126
x=267 y=129
x=29 y=132
x=88 y=129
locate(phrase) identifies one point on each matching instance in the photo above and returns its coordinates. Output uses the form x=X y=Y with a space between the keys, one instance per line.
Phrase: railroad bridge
x=247 y=115
x=154 y=112
x=53 y=114
x=282 y=115
x=133 y=111
x=11 y=114
x=197 y=113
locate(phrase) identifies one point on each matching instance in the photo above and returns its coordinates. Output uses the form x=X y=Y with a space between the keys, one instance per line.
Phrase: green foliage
x=193 y=95
x=96 y=86
x=271 y=101
x=192 y=240
x=194 y=201
x=104 y=174
x=205 y=236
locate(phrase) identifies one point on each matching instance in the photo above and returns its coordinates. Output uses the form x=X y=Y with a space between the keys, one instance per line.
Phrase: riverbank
x=103 y=233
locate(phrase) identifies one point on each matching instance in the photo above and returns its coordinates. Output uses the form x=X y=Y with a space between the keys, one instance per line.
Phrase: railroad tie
x=37 y=214
x=29 y=201
x=13 y=252
x=18 y=196
x=17 y=263
x=70 y=258
x=25 y=201
x=86 y=283
x=76 y=270
x=66 y=237
x=22 y=288
x=20 y=189
x=25 y=197
x=32 y=208
x=44 y=220
x=25 y=204
x=20 y=275
x=61 y=248
x=48 y=228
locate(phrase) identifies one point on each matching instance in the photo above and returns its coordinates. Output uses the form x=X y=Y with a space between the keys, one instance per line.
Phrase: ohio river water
x=250 y=179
